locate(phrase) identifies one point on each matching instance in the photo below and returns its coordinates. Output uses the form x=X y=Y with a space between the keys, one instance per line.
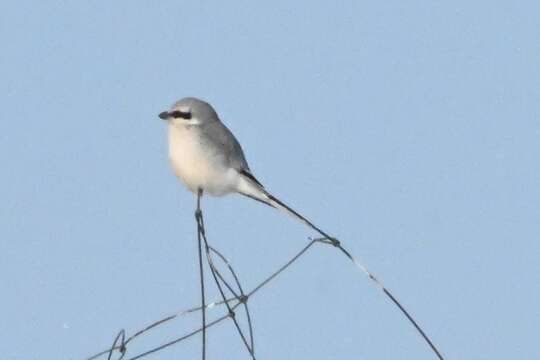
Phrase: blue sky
x=409 y=130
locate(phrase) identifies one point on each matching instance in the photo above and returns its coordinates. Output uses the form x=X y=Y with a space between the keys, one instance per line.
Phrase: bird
x=206 y=156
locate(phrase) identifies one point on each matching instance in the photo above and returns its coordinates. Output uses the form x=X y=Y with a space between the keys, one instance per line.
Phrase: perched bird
x=208 y=159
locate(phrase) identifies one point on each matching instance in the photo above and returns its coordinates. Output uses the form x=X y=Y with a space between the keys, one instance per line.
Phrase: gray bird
x=206 y=156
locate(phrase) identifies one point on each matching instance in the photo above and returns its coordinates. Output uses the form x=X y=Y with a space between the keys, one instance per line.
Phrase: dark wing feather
x=249 y=175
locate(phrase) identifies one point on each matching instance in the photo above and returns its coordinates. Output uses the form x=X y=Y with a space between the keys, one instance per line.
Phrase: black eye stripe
x=180 y=114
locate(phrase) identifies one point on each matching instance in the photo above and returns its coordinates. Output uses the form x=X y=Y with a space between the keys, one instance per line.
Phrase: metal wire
x=239 y=297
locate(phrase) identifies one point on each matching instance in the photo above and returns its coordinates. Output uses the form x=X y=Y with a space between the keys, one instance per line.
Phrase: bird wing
x=223 y=144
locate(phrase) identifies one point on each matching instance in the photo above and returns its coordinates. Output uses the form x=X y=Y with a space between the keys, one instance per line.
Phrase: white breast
x=193 y=164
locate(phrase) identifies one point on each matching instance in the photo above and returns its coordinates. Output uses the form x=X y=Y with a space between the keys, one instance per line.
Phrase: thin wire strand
x=387 y=292
x=282 y=268
x=392 y=298
x=243 y=298
x=214 y=272
x=122 y=338
x=198 y=216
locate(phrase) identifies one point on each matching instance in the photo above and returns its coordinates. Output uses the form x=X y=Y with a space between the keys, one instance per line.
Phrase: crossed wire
x=238 y=298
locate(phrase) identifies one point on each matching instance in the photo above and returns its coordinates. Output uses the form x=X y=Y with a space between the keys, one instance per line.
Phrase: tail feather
x=252 y=188
x=278 y=204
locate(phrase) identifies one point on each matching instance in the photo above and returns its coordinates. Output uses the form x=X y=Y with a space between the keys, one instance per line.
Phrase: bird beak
x=164 y=115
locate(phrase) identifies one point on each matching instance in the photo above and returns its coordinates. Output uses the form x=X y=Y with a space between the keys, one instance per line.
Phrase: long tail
x=278 y=204
x=252 y=188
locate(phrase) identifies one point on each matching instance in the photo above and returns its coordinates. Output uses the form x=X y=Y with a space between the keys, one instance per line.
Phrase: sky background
x=409 y=130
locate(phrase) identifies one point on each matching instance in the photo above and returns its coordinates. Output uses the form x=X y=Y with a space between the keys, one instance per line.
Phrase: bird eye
x=180 y=114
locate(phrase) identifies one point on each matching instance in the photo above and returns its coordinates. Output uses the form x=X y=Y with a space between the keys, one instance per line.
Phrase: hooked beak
x=164 y=115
